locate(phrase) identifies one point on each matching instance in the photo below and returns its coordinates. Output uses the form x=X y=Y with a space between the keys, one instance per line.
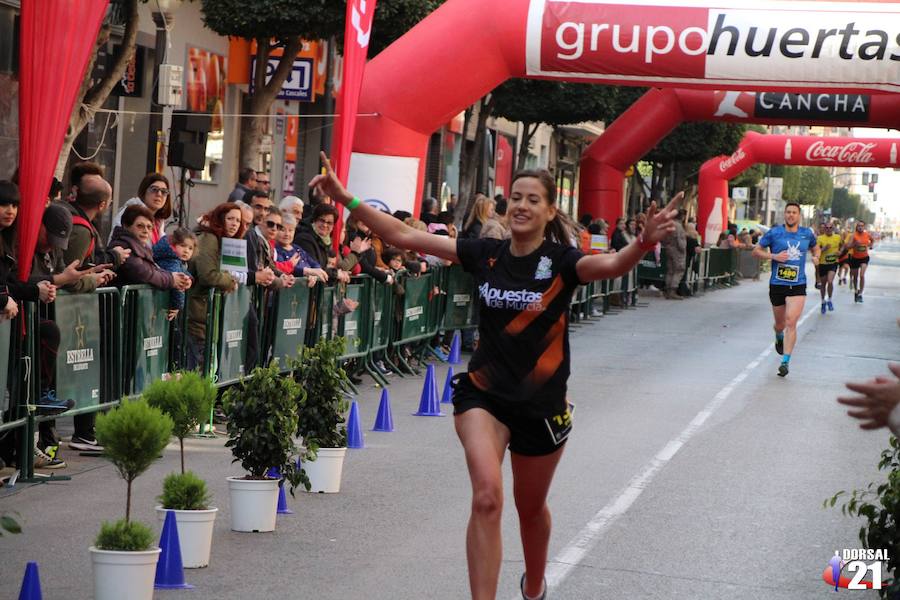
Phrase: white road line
x=581 y=545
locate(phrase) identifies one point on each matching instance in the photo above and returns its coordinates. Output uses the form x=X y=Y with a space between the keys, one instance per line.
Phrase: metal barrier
x=650 y=272
x=146 y=337
x=461 y=306
x=720 y=266
x=748 y=266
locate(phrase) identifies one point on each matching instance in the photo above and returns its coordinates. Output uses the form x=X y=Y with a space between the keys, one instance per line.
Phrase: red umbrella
x=57 y=38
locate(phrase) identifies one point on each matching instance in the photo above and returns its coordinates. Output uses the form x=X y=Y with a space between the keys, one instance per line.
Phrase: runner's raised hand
x=660 y=223
x=328 y=183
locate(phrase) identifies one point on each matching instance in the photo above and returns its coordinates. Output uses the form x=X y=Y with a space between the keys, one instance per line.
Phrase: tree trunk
x=91 y=95
x=529 y=129
x=263 y=96
x=468 y=169
x=128 y=501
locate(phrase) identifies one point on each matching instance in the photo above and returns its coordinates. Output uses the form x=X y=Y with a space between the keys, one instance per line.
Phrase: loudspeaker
x=187 y=139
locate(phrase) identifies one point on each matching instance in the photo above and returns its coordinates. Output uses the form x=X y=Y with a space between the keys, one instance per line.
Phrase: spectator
x=368 y=256
x=246 y=182
x=723 y=242
x=482 y=210
x=744 y=239
x=754 y=236
x=495 y=226
x=292 y=205
x=621 y=237
x=263 y=183
x=692 y=250
x=246 y=215
x=318 y=244
x=430 y=210
x=135 y=234
x=446 y=218
x=55 y=193
x=289 y=253
x=48 y=270
x=224 y=221
x=92 y=198
x=402 y=215
x=263 y=235
x=172 y=253
x=675 y=245
x=153 y=192
x=78 y=172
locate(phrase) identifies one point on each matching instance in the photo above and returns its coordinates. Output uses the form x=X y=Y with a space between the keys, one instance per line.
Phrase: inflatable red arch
x=467 y=47
x=782 y=150
x=659 y=111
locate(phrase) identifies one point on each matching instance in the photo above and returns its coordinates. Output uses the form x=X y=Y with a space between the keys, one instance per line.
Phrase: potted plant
x=187 y=399
x=123 y=555
x=322 y=420
x=262 y=422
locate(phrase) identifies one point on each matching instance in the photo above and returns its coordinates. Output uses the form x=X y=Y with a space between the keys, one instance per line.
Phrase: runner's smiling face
x=529 y=208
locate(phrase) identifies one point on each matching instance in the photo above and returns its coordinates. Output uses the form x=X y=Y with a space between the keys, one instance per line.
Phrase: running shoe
x=779 y=346
x=856 y=297
x=830 y=305
x=824 y=308
x=85 y=444
x=43 y=460
x=543 y=595
x=783 y=369
x=49 y=404
x=860 y=299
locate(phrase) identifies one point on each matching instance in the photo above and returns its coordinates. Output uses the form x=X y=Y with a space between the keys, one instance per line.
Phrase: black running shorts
x=778 y=293
x=823 y=270
x=856 y=262
x=529 y=436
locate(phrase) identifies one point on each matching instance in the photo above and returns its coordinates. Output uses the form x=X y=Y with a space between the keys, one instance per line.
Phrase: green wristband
x=353 y=203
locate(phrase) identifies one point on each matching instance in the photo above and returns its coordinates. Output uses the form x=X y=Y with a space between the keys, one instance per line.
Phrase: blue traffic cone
x=384 y=421
x=169 y=570
x=282 y=501
x=31 y=585
x=428 y=405
x=354 y=431
x=447 y=396
x=454 y=349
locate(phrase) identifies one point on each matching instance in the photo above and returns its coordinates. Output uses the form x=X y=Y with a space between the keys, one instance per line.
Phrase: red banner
x=357 y=32
x=57 y=39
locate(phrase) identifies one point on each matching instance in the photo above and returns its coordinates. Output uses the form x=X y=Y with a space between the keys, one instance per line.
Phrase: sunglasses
x=263 y=181
x=158 y=190
x=274 y=225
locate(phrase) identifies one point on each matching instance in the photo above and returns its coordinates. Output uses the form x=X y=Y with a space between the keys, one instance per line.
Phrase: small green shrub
x=133 y=434
x=262 y=422
x=187 y=398
x=879 y=505
x=184 y=491
x=124 y=536
x=322 y=420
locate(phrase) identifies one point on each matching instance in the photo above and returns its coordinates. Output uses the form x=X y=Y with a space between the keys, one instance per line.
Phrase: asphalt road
x=693 y=472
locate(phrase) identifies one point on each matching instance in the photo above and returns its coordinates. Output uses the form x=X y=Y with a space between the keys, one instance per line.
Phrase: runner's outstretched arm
x=390 y=230
x=609 y=266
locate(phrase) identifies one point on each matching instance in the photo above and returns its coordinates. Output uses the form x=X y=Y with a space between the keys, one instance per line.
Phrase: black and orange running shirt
x=522 y=357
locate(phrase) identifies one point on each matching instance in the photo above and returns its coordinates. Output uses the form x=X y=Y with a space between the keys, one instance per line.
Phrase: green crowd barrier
x=354 y=326
x=650 y=272
x=146 y=337
x=233 y=326
x=292 y=316
x=461 y=305
x=415 y=307
x=78 y=365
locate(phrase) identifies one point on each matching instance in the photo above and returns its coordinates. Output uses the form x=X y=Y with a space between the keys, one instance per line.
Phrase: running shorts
x=823 y=270
x=856 y=262
x=778 y=294
x=529 y=436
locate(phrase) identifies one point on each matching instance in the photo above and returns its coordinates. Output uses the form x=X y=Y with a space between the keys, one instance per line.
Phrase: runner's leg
x=531 y=482
x=830 y=278
x=792 y=314
x=862 y=278
x=484 y=441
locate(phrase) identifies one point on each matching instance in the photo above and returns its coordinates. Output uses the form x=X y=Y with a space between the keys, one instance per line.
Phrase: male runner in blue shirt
x=786 y=246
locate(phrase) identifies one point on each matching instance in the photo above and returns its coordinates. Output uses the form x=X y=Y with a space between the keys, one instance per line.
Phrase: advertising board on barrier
x=838 y=45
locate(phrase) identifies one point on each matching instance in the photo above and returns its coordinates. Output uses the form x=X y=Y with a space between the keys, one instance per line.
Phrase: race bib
x=862 y=249
x=560 y=426
x=830 y=259
x=787 y=273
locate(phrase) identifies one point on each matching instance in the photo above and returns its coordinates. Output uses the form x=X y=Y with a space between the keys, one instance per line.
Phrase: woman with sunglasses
x=514 y=393
x=154 y=193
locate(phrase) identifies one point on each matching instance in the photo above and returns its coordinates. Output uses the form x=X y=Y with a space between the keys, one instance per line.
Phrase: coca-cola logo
x=732 y=160
x=851 y=152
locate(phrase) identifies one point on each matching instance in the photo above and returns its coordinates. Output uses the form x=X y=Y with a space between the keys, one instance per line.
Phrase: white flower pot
x=325 y=472
x=124 y=575
x=195 y=529
x=253 y=504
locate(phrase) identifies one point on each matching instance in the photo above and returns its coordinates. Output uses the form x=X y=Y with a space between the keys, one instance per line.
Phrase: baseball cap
x=57 y=222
